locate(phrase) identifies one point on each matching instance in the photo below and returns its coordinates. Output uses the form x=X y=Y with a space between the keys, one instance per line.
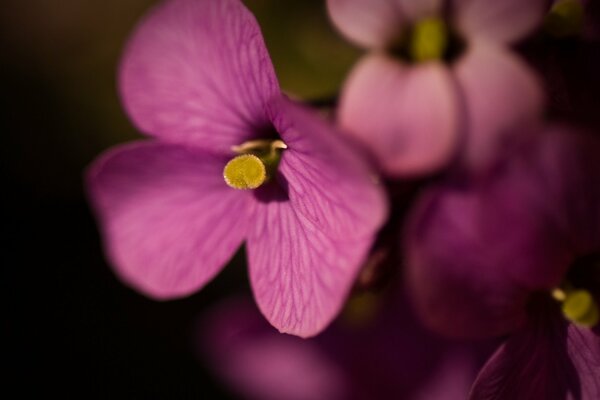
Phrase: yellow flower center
x=245 y=171
x=256 y=163
x=429 y=40
x=578 y=306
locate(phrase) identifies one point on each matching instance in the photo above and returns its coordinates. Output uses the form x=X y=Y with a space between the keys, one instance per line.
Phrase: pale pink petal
x=417 y=9
x=406 y=116
x=198 y=71
x=328 y=181
x=500 y=93
x=169 y=221
x=300 y=276
x=368 y=23
x=499 y=21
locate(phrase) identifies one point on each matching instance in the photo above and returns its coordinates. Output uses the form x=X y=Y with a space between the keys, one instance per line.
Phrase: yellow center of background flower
x=429 y=40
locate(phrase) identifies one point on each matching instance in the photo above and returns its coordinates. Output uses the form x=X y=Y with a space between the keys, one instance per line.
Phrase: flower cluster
x=452 y=178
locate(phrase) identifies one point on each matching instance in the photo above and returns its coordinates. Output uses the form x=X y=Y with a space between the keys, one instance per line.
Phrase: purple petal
x=387 y=355
x=407 y=116
x=550 y=359
x=454 y=270
x=329 y=182
x=498 y=21
x=260 y=363
x=500 y=93
x=475 y=251
x=198 y=71
x=169 y=221
x=368 y=23
x=300 y=276
x=569 y=167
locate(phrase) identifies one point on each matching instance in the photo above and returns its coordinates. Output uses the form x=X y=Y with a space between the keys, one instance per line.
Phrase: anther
x=245 y=171
x=578 y=306
x=256 y=163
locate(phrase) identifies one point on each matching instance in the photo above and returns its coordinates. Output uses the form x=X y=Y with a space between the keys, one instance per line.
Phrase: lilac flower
x=196 y=76
x=517 y=253
x=436 y=70
x=376 y=356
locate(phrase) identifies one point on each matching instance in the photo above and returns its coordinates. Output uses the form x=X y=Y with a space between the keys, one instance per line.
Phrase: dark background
x=70 y=327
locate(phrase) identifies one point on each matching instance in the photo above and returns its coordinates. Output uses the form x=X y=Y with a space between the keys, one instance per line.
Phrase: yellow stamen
x=559 y=295
x=579 y=307
x=429 y=40
x=565 y=18
x=256 y=163
x=245 y=171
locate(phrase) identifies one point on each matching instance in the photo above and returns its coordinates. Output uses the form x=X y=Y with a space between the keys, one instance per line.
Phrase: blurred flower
x=517 y=253
x=436 y=69
x=388 y=355
x=197 y=77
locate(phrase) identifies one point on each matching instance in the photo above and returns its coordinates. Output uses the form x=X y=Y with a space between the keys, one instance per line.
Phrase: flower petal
x=568 y=175
x=498 y=21
x=328 y=180
x=417 y=9
x=260 y=363
x=300 y=276
x=455 y=267
x=169 y=221
x=474 y=251
x=376 y=358
x=407 y=116
x=550 y=359
x=368 y=23
x=500 y=93
x=198 y=71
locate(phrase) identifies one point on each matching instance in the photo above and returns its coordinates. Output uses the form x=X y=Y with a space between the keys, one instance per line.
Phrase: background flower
x=383 y=353
x=484 y=258
x=412 y=113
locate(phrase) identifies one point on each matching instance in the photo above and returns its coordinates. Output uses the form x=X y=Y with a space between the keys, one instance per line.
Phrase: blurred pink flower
x=503 y=255
x=439 y=79
x=387 y=356
x=197 y=77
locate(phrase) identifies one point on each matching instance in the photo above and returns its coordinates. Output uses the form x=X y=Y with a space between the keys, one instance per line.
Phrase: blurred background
x=72 y=328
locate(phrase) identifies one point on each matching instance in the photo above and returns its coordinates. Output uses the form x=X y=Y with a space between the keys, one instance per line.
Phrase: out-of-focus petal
x=260 y=363
x=455 y=267
x=498 y=21
x=475 y=251
x=169 y=221
x=500 y=94
x=567 y=169
x=406 y=116
x=368 y=23
x=388 y=354
x=416 y=9
x=328 y=180
x=300 y=275
x=198 y=71
x=549 y=359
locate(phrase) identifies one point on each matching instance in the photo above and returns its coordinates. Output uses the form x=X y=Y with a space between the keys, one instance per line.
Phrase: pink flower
x=439 y=78
x=517 y=254
x=196 y=77
x=387 y=355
